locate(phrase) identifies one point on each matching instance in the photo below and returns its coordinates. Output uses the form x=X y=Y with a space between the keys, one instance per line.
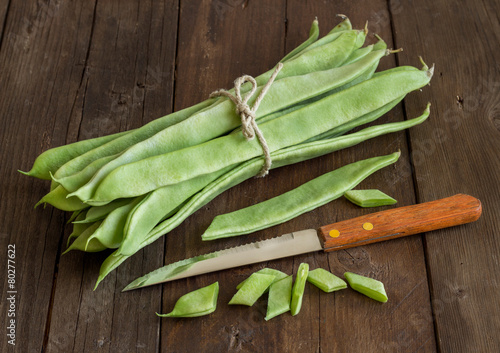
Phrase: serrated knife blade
x=371 y=228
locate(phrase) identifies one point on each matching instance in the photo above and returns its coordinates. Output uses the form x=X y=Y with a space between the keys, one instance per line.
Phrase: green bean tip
x=24 y=173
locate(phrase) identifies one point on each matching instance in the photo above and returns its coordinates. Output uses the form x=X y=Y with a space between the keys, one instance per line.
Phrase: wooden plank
x=127 y=81
x=4 y=6
x=241 y=328
x=219 y=41
x=39 y=82
x=457 y=151
x=346 y=320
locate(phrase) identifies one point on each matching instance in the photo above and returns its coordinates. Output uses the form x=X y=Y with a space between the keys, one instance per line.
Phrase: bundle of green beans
x=128 y=189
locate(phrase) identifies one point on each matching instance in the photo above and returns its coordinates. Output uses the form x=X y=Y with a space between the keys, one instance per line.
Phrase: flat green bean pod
x=155 y=206
x=81 y=242
x=288 y=130
x=51 y=160
x=60 y=200
x=161 y=201
x=247 y=170
x=110 y=231
x=122 y=142
x=302 y=199
x=313 y=36
x=78 y=228
x=306 y=64
x=96 y=213
x=203 y=126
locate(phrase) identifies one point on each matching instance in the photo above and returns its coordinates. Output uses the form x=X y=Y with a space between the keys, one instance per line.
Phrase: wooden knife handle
x=400 y=222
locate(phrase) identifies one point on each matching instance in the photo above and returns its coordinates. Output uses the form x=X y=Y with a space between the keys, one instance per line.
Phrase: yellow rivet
x=367 y=226
x=334 y=233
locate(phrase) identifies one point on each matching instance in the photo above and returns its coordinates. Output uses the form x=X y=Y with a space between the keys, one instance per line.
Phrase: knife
x=371 y=228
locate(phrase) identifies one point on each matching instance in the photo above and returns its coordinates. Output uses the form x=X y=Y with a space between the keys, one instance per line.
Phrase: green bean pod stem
x=140 y=177
x=305 y=198
x=247 y=170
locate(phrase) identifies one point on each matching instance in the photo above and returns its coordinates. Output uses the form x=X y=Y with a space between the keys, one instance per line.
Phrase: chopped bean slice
x=325 y=280
x=369 y=198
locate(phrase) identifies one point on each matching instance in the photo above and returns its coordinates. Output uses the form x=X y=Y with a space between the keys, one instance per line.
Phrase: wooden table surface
x=76 y=70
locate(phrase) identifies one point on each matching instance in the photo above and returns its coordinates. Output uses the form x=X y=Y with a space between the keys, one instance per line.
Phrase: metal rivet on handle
x=367 y=226
x=334 y=233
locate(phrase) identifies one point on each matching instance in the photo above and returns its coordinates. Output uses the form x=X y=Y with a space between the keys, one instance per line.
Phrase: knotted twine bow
x=249 y=127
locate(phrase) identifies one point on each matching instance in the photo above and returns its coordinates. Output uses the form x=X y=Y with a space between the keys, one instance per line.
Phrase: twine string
x=249 y=126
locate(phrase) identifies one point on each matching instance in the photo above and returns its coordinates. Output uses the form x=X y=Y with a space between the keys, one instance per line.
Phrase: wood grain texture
x=457 y=151
x=127 y=81
x=400 y=222
x=74 y=70
x=40 y=72
x=218 y=41
x=346 y=322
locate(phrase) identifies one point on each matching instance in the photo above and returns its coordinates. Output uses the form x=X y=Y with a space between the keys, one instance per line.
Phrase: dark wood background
x=76 y=70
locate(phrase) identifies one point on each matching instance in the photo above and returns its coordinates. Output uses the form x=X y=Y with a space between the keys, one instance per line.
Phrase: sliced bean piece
x=288 y=130
x=59 y=199
x=369 y=198
x=51 y=160
x=252 y=290
x=280 y=296
x=200 y=302
x=325 y=280
x=298 y=288
x=247 y=170
x=313 y=36
x=278 y=275
x=368 y=286
x=291 y=204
